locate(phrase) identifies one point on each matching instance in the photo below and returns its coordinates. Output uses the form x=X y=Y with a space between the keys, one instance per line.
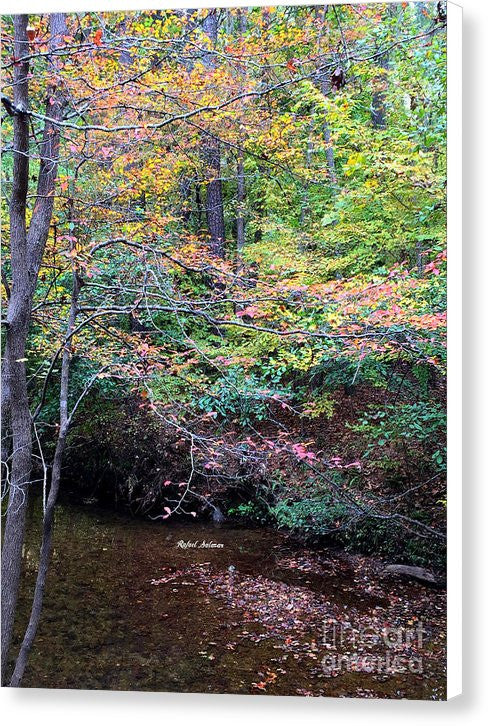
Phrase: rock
x=415 y=573
x=217 y=516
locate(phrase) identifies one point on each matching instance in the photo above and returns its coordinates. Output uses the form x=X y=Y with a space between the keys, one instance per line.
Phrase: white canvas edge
x=454 y=354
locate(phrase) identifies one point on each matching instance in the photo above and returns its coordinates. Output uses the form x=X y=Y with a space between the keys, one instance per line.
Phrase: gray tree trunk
x=241 y=183
x=48 y=521
x=26 y=251
x=378 y=103
x=241 y=201
x=214 y=205
x=15 y=405
x=329 y=155
x=260 y=205
x=325 y=88
x=211 y=154
x=305 y=207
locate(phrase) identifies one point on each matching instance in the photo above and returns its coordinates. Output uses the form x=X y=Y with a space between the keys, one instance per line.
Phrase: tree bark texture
x=211 y=155
x=26 y=252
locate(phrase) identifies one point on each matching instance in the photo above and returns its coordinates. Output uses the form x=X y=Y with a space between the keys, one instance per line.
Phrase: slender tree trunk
x=260 y=206
x=241 y=200
x=241 y=184
x=211 y=156
x=199 y=206
x=329 y=151
x=48 y=521
x=26 y=251
x=378 y=103
x=185 y=188
x=214 y=205
x=46 y=545
x=325 y=88
x=305 y=207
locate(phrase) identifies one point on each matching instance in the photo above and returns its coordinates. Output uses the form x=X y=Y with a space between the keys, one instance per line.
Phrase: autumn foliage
x=297 y=375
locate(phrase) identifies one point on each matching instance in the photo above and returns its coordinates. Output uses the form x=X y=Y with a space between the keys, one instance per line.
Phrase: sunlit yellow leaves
x=356 y=162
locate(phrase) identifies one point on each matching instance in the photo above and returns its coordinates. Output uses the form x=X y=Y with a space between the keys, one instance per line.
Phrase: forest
x=224 y=290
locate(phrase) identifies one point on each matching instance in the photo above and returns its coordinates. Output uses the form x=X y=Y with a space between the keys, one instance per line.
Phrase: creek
x=132 y=604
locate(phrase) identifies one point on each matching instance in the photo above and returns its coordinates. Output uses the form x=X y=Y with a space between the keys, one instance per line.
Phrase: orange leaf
x=97 y=39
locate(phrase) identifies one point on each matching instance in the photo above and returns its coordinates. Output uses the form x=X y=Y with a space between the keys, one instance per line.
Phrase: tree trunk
x=305 y=207
x=241 y=184
x=211 y=155
x=185 y=188
x=15 y=406
x=260 y=206
x=47 y=532
x=26 y=251
x=241 y=199
x=214 y=205
x=199 y=207
x=325 y=88
x=378 y=103
x=329 y=154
